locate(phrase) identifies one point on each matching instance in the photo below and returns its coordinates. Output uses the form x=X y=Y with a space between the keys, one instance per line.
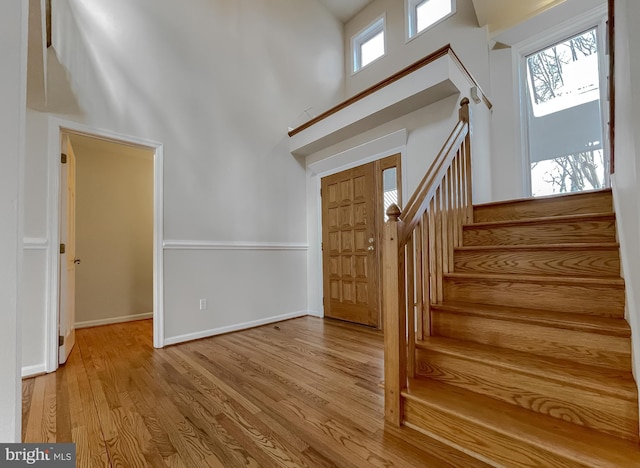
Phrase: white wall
x=217 y=83
x=460 y=30
x=626 y=180
x=114 y=231
x=506 y=154
x=13 y=79
x=34 y=277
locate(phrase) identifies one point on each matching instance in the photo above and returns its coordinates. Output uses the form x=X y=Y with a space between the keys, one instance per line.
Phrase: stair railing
x=417 y=252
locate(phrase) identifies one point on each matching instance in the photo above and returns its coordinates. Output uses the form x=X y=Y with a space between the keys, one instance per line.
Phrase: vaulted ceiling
x=344 y=10
x=500 y=15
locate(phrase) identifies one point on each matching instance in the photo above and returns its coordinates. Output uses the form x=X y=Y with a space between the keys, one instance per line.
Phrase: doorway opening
x=106 y=206
x=564 y=85
x=354 y=204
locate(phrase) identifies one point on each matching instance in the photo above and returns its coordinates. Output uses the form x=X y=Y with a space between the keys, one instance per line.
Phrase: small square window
x=424 y=14
x=368 y=45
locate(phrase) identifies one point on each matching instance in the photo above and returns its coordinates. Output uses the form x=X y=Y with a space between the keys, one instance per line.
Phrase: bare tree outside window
x=546 y=67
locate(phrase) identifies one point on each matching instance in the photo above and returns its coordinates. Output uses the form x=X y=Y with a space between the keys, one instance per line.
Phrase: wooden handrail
x=426 y=190
x=432 y=57
x=418 y=251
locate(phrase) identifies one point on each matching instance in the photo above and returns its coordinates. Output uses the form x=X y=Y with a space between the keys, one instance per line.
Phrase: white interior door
x=67 y=315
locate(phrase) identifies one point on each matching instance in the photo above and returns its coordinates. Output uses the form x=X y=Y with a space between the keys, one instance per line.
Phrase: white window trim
x=595 y=18
x=372 y=30
x=411 y=18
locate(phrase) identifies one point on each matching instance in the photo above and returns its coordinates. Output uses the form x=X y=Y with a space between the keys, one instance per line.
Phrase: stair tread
x=547 y=219
x=584 y=280
x=587 y=323
x=603 y=192
x=612 y=382
x=565 y=246
x=574 y=442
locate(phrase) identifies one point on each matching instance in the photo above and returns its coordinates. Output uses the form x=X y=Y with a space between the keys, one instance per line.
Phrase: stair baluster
x=417 y=252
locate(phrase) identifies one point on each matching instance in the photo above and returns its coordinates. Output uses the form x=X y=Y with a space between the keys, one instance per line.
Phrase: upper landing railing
x=442 y=52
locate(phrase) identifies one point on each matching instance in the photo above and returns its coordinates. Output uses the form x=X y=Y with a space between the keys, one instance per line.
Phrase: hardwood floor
x=304 y=392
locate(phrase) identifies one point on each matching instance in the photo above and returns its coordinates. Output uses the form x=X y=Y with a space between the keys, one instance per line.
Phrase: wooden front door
x=352 y=216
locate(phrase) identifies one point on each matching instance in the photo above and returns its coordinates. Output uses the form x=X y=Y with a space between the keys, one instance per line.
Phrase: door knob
x=76 y=261
x=370 y=247
x=371 y=240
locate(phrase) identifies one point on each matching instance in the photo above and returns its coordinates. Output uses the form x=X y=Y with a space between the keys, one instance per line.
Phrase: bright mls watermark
x=38 y=455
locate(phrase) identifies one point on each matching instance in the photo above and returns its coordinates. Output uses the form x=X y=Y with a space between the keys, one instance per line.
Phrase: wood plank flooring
x=304 y=392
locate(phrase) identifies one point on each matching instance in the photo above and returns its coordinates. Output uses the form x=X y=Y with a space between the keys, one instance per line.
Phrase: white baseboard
x=32 y=371
x=110 y=321
x=231 y=328
x=315 y=313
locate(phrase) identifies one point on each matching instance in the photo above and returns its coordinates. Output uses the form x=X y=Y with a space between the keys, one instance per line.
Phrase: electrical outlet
x=203 y=304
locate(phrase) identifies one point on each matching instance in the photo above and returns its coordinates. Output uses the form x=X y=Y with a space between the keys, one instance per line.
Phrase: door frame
x=595 y=17
x=380 y=148
x=56 y=127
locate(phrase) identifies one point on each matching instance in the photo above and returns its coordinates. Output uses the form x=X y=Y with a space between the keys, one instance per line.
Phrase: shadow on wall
x=100 y=85
x=60 y=98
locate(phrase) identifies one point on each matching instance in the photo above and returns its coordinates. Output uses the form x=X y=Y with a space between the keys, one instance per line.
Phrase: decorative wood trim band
x=35 y=243
x=212 y=245
x=392 y=79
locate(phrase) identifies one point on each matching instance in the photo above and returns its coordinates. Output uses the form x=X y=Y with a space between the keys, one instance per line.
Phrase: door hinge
x=60 y=340
x=321 y=192
x=322 y=246
x=63 y=248
x=63 y=158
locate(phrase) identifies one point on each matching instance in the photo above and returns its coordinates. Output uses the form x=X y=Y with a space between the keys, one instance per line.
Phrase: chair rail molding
x=232 y=245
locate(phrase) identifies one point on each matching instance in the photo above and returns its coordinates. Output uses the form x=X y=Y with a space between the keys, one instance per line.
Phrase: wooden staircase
x=525 y=359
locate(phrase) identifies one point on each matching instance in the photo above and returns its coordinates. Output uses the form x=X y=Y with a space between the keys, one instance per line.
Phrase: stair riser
x=585 y=348
x=537 y=208
x=581 y=406
x=478 y=439
x=603 y=262
x=604 y=301
x=594 y=231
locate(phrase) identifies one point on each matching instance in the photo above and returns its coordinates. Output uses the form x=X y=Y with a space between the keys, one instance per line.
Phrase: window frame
x=595 y=18
x=411 y=18
x=365 y=35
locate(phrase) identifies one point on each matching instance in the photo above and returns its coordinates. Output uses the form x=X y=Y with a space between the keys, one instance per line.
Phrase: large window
x=422 y=14
x=563 y=84
x=368 y=45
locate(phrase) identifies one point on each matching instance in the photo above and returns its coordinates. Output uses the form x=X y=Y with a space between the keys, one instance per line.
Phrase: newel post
x=394 y=317
x=465 y=116
x=464 y=111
